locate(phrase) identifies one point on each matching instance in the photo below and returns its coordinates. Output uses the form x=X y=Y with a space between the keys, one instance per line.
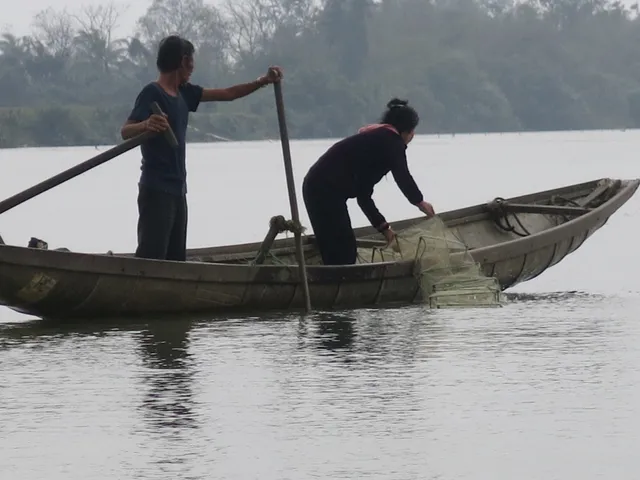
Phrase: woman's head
x=402 y=117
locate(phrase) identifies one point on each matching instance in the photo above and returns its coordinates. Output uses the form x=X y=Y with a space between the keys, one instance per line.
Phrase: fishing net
x=448 y=274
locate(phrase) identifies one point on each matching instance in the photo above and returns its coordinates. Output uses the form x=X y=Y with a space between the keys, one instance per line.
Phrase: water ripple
x=355 y=394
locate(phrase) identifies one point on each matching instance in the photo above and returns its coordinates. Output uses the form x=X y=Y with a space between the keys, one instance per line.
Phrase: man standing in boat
x=162 y=202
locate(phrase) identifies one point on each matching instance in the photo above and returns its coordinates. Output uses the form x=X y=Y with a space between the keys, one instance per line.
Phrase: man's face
x=186 y=69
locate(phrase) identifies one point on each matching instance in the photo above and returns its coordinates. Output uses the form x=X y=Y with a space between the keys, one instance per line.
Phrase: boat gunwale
x=447 y=217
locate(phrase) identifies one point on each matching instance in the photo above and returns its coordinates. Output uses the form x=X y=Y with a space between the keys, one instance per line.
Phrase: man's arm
x=141 y=119
x=231 y=93
x=132 y=128
x=228 y=94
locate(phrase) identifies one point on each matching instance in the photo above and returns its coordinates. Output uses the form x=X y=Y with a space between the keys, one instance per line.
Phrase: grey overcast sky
x=21 y=12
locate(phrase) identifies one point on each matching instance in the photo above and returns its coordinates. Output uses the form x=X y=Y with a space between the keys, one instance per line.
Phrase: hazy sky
x=22 y=12
x=19 y=21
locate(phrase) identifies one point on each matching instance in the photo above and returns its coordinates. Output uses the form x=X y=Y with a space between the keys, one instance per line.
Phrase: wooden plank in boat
x=543 y=209
x=597 y=192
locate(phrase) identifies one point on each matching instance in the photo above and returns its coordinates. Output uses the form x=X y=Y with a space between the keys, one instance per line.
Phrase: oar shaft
x=76 y=170
x=72 y=172
x=284 y=138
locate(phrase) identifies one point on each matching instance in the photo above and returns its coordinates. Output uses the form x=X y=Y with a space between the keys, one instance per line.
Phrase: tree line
x=466 y=65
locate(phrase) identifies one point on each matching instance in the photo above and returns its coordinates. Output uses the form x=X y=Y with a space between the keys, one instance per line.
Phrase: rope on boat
x=277 y=225
x=566 y=201
x=499 y=212
x=281 y=225
x=275 y=259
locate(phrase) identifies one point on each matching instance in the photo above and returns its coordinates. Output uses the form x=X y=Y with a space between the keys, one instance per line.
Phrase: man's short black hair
x=171 y=51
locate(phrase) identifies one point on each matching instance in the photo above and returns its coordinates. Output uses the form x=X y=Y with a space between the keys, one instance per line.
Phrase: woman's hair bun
x=396 y=102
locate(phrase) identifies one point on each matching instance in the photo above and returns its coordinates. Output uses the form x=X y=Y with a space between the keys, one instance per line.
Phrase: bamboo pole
x=286 y=152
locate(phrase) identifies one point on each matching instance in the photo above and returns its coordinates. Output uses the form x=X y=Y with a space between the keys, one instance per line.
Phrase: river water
x=546 y=387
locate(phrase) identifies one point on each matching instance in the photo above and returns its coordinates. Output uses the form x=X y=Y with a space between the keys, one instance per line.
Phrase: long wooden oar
x=286 y=152
x=87 y=165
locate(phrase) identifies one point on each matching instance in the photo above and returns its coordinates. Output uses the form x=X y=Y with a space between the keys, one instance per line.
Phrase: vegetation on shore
x=467 y=66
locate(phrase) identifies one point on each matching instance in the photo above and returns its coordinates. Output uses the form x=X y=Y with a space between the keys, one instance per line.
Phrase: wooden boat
x=513 y=240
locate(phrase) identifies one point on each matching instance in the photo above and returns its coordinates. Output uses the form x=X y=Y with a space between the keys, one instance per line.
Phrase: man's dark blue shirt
x=163 y=166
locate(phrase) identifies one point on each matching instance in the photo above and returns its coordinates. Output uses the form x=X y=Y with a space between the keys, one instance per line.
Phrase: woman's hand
x=392 y=240
x=389 y=235
x=427 y=209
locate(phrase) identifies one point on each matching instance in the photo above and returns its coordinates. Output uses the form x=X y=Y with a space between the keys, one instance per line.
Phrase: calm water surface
x=546 y=387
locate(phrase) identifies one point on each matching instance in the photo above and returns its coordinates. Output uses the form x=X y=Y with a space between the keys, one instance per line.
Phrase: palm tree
x=94 y=48
x=14 y=49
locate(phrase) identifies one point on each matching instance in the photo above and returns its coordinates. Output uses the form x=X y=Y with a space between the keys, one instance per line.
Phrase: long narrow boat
x=513 y=240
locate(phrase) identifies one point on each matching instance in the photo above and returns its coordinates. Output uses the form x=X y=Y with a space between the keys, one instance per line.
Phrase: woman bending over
x=350 y=169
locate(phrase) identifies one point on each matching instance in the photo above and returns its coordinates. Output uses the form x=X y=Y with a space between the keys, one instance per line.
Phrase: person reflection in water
x=169 y=401
x=335 y=331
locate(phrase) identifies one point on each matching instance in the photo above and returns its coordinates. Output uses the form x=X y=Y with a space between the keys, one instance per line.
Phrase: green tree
x=467 y=66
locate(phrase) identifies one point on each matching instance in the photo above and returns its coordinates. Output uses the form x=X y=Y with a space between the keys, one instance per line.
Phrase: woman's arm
x=408 y=186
